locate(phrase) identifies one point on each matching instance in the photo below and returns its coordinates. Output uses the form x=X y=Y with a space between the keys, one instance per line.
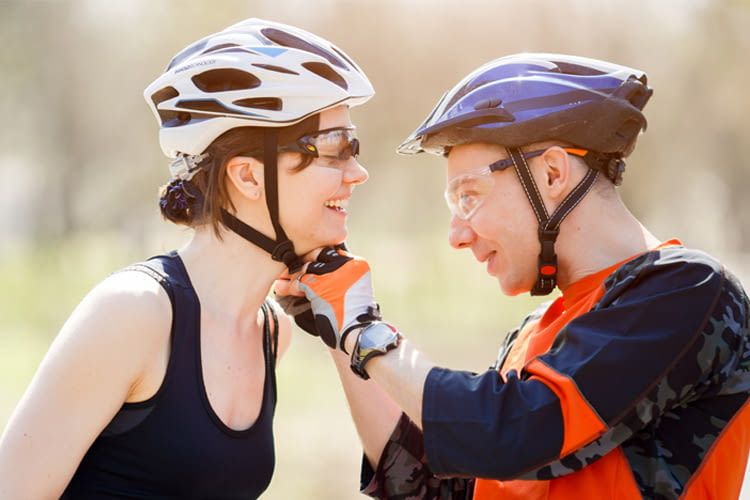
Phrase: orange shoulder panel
x=581 y=424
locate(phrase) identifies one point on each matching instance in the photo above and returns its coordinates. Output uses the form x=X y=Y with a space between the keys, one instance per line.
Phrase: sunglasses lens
x=338 y=143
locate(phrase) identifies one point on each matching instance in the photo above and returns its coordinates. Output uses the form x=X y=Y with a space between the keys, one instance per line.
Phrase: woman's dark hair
x=199 y=201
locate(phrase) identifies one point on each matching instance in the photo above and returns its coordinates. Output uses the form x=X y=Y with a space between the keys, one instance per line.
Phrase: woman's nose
x=355 y=173
x=460 y=234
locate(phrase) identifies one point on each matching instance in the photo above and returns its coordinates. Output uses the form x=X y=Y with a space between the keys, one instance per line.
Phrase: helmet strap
x=282 y=248
x=549 y=226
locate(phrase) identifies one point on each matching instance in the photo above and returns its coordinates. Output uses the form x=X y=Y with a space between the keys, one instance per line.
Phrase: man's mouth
x=338 y=205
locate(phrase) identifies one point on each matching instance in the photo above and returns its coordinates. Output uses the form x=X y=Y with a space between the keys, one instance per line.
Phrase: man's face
x=502 y=230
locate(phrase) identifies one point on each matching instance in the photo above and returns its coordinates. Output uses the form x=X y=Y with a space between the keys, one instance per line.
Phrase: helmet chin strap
x=549 y=226
x=282 y=248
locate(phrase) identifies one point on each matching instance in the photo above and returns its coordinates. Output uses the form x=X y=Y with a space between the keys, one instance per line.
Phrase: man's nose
x=460 y=234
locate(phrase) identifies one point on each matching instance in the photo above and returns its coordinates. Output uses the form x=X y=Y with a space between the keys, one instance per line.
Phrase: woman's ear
x=246 y=175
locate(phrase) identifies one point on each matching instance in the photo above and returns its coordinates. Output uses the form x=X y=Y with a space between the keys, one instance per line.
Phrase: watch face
x=374 y=340
x=377 y=336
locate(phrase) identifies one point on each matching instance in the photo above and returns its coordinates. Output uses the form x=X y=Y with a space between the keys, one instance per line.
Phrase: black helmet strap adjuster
x=282 y=248
x=549 y=226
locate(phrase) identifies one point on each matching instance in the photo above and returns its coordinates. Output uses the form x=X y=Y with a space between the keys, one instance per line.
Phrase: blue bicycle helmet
x=526 y=98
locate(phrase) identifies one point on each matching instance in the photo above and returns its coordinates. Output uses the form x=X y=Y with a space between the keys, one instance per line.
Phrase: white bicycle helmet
x=254 y=73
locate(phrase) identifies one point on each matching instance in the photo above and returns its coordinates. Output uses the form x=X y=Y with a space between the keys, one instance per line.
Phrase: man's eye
x=331 y=161
x=467 y=195
x=467 y=198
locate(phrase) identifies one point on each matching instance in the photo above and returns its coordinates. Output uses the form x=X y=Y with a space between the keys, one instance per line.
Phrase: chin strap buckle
x=284 y=252
x=547 y=277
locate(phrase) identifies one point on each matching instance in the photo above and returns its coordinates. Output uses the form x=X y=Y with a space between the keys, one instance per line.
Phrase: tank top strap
x=169 y=271
x=270 y=345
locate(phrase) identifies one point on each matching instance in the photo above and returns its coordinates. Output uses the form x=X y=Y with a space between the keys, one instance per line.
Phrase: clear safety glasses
x=466 y=193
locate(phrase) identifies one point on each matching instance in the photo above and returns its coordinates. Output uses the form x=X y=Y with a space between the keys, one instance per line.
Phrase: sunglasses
x=466 y=193
x=335 y=146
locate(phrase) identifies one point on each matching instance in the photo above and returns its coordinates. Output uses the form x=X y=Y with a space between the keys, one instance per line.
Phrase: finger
x=285 y=275
x=282 y=287
x=294 y=288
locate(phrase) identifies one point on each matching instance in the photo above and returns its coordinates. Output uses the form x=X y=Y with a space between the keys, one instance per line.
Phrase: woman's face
x=313 y=202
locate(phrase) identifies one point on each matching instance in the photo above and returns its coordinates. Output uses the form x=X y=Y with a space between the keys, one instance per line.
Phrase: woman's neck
x=231 y=276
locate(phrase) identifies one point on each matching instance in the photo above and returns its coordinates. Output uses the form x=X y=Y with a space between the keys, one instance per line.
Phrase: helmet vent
x=210 y=105
x=164 y=94
x=325 y=71
x=170 y=118
x=222 y=80
x=270 y=103
x=219 y=47
x=278 y=69
x=187 y=52
x=288 y=40
x=576 y=69
x=235 y=49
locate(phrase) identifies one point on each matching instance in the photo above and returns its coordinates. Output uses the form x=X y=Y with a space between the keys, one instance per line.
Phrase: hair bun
x=179 y=201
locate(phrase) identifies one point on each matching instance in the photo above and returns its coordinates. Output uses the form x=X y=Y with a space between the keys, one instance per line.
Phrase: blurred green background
x=81 y=166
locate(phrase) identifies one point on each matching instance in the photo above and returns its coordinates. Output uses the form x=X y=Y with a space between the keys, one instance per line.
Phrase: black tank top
x=173 y=445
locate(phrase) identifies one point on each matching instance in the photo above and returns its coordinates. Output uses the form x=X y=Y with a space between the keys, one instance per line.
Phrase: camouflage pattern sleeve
x=403 y=472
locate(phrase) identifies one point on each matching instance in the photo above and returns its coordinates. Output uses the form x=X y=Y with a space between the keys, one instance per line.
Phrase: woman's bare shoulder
x=128 y=309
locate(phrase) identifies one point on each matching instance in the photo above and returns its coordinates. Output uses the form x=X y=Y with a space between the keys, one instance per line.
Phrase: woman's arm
x=374 y=412
x=95 y=363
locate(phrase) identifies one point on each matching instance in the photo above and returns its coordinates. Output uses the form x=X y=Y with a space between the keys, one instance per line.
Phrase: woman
x=161 y=383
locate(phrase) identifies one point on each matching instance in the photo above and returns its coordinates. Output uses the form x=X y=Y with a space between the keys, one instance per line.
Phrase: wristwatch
x=373 y=340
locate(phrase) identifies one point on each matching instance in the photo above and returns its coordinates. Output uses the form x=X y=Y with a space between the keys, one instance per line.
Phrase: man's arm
x=646 y=343
x=644 y=339
x=401 y=375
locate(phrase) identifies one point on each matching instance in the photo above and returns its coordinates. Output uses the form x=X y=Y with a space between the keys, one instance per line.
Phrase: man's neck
x=599 y=233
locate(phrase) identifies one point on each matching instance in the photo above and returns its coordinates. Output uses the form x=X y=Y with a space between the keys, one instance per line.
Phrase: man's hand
x=338 y=286
x=296 y=306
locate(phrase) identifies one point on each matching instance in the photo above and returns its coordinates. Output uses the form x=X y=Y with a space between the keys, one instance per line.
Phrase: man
x=633 y=383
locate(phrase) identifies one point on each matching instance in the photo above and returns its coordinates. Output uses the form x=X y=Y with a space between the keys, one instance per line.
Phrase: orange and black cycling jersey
x=633 y=384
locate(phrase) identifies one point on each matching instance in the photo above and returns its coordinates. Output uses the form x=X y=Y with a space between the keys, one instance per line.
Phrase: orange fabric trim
x=576 y=151
x=486 y=489
x=609 y=477
x=581 y=423
x=722 y=471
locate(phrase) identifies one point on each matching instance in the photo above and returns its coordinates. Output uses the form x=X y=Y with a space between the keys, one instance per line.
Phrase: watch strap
x=361 y=356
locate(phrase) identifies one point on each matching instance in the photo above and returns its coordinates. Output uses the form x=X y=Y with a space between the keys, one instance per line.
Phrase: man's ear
x=557 y=173
x=246 y=175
